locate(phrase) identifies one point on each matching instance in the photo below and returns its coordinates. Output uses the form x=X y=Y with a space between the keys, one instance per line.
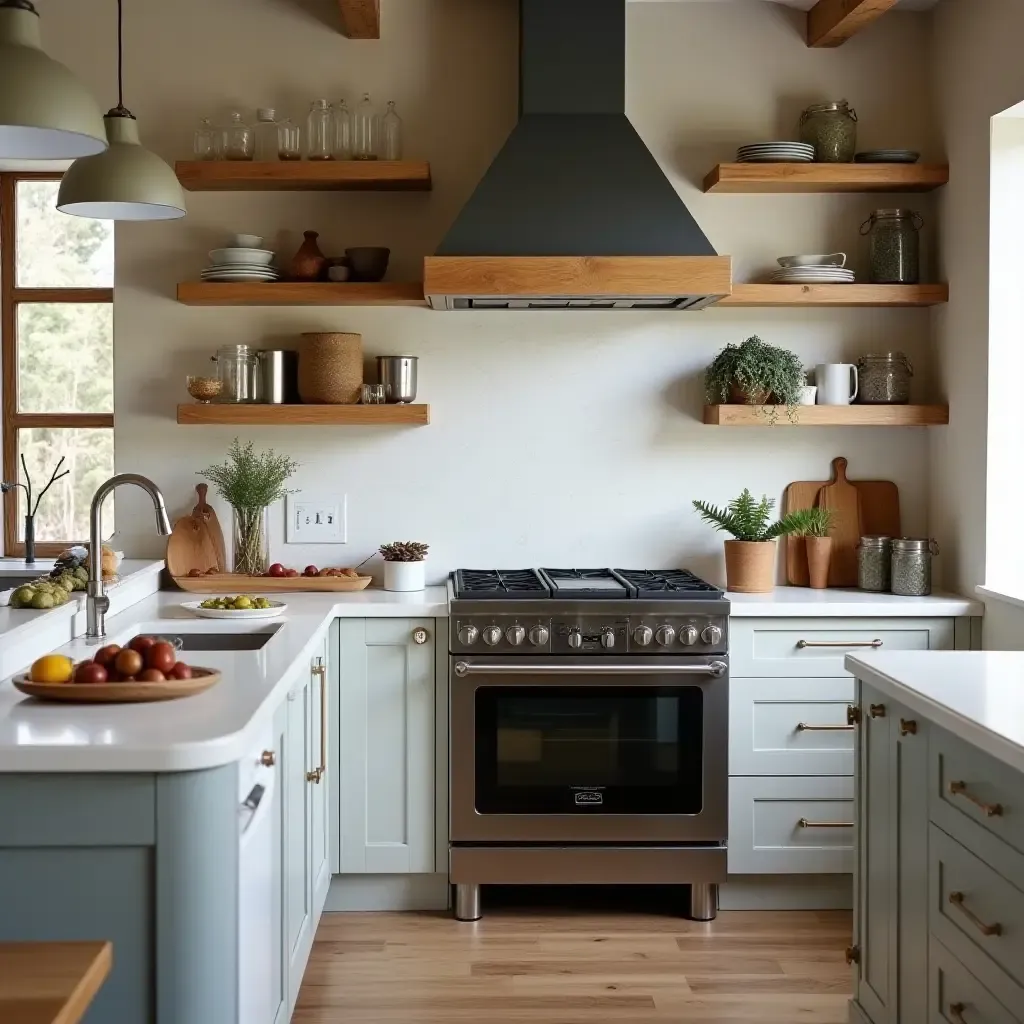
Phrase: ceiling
x=806 y=5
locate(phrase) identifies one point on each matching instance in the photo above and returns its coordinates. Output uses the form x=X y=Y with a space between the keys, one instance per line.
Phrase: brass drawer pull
x=320 y=669
x=956 y=1013
x=802 y=644
x=908 y=727
x=804 y=823
x=268 y=759
x=806 y=727
x=991 y=810
x=853 y=954
x=957 y=899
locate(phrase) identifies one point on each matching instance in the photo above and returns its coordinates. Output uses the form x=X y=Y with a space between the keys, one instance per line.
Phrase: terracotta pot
x=331 y=368
x=737 y=396
x=750 y=566
x=309 y=263
x=819 y=554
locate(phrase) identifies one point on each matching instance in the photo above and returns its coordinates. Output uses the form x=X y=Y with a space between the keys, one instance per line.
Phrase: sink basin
x=13 y=580
x=223 y=641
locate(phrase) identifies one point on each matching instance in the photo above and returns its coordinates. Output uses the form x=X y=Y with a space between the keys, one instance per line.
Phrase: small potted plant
x=404 y=565
x=750 y=557
x=755 y=373
x=819 y=544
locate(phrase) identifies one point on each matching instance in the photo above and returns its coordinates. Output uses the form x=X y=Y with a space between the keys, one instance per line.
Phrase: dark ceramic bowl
x=368 y=262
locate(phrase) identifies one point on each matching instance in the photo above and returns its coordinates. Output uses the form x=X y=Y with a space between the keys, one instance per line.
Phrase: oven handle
x=716 y=669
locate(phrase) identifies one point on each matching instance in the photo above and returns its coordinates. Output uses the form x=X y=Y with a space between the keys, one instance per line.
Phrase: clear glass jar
x=874 y=564
x=831 y=128
x=912 y=566
x=250 y=534
x=342 y=131
x=884 y=379
x=365 y=130
x=320 y=131
x=239 y=139
x=266 y=134
x=289 y=140
x=391 y=134
x=238 y=370
x=204 y=141
x=895 y=246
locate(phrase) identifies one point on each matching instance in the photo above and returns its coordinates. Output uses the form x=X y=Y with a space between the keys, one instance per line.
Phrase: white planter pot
x=404 y=576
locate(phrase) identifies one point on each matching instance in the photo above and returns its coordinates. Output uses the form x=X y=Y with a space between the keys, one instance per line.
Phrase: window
x=57 y=343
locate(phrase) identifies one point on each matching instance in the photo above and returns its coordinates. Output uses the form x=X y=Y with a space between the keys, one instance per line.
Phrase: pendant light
x=45 y=112
x=127 y=182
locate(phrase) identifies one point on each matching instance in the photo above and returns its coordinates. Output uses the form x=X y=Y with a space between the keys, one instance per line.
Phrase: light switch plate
x=316 y=517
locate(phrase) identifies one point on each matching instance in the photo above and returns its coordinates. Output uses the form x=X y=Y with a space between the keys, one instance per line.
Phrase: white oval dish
x=260 y=257
x=276 y=608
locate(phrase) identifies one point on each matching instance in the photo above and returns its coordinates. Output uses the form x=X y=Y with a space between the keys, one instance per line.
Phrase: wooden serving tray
x=119 y=693
x=234 y=583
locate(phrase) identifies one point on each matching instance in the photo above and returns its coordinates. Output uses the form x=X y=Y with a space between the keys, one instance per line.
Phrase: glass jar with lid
x=204 y=141
x=884 y=378
x=239 y=140
x=895 y=256
x=831 y=128
x=391 y=134
x=912 y=566
x=289 y=140
x=238 y=370
x=365 y=130
x=874 y=564
x=342 y=131
x=320 y=131
x=266 y=133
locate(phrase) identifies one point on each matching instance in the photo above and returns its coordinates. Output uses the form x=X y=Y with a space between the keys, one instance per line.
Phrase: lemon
x=53 y=668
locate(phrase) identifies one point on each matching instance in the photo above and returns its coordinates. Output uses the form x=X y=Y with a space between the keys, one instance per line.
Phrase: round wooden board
x=232 y=583
x=119 y=693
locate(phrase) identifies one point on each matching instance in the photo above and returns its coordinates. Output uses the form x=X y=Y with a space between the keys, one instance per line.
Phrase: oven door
x=573 y=750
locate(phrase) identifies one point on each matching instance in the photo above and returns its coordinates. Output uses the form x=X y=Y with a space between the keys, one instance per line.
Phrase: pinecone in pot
x=404 y=551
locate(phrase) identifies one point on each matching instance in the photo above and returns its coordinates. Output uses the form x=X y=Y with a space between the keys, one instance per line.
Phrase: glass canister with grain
x=884 y=378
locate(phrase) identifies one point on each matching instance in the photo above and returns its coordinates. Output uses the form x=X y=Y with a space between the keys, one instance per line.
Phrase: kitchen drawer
x=955 y=995
x=816 y=647
x=790 y=726
x=967 y=789
x=765 y=834
x=977 y=915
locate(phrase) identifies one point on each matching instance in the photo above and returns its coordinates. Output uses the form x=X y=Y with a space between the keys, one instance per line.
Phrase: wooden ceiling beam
x=832 y=22
x=360 y=19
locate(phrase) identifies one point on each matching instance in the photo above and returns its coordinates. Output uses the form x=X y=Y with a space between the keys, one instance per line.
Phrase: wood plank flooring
x=578 y=968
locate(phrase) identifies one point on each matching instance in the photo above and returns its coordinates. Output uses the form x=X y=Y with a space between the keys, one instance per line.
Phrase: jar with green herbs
x=912 y=566
x=831 y=128
x=884 y=379
x=895 y=256
x=874 y=563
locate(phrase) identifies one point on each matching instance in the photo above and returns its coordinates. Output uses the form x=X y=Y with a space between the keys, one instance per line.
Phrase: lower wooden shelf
x=836 y=295
x=828 y=416
x=301 y=293
x=305 y=415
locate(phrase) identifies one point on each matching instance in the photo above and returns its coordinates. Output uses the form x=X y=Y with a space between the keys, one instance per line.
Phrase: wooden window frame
x=10 y=298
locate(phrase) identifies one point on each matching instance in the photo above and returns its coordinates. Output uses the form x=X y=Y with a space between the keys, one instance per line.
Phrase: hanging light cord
x=120 y=110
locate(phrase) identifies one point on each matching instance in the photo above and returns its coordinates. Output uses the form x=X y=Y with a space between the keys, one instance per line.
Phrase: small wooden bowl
x=119 y=693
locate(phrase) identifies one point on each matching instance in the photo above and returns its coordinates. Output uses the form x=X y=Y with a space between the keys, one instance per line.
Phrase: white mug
x=834 y=381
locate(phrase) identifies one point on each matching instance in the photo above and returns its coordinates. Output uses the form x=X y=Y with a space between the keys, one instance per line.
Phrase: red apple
x=277 y=569
x=310 y=570
x=180 y=671
x=161 y=656
x=291 y=573
x=128 y=662
x=90 y=673
x=141 y=643
x=151 y=675
x=105 y=655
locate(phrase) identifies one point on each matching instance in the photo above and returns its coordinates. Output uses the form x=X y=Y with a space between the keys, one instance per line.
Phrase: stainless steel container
x=398 y=375
x=279 y=376
x=238 y=371
x=874 y=564
x=912 y=566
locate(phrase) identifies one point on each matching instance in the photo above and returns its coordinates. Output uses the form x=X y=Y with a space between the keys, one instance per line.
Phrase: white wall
x=556 y=437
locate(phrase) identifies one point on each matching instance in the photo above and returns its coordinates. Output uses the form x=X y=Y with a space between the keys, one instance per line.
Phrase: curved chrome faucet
x=96 y=601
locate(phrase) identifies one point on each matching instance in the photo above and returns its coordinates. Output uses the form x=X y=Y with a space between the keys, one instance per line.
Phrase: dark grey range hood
x=575 y=212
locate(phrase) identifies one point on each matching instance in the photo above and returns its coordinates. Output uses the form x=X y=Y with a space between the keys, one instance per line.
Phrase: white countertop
x=802 y=602
x=209 y=729
x=976 y=695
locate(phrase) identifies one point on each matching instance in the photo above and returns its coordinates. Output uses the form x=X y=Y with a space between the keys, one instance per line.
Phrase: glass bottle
x=320 y=131
x=239 y=140
x=203 y=141
x=289 y=140
x=342 y=131
x=365 y=130
x=391 y=134
x=266 y=134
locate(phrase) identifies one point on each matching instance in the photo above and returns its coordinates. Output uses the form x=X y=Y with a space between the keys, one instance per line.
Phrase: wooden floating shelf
x=828 y=416
x=308 y=175
x=809 y=178
x=300 y=293
x=836 y=295
x=305 y=415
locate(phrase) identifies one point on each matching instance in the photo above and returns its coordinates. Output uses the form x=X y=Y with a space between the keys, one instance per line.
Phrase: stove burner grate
x=499 y=583
x=668 y=583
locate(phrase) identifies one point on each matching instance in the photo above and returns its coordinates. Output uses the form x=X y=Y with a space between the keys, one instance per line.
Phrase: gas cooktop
x=577 y=584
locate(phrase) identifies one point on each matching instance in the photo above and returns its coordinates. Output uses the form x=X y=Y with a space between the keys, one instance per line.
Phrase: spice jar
x=884 y=379
x=238 y=370
x=831 y=128
x=895 y=246
x=912 y=566
x=874 y=564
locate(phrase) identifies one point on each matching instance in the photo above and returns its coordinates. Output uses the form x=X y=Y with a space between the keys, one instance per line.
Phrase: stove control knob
x=515 y=635
x=608 y=638
x=688 y=635
x=539 y=636
x=711 y=635
x=643 y=635
x=492 y=635
x=468 y=635
x=575 y=640
x=665 y=635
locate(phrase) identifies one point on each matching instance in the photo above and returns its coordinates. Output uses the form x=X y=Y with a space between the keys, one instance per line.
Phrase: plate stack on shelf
x=238 y=264
x=813 y=270
x=775 y=153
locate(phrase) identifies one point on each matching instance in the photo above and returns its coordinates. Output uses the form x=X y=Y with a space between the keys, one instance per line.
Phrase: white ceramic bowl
x=339 y=274
x=834 y=259
x=259 y=257
x=247 y=241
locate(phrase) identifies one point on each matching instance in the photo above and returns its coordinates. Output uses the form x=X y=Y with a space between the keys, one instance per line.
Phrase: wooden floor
x=578 y=968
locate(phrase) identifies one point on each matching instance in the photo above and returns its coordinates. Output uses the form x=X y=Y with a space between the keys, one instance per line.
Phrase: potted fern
x=403 y=565
x=750 y=556
x=819 y=544
x=755 y=373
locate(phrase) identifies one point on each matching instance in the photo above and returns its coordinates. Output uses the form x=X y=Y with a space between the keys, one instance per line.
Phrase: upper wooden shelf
x=809 y=178
x=836 y=295
x=828 y=416
x=305 y=415
x=309 y=175
x=300 y=293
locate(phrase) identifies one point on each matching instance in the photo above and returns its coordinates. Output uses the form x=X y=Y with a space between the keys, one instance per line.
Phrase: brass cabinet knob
x=908 y=727
x=420 y=635
x=268 y=759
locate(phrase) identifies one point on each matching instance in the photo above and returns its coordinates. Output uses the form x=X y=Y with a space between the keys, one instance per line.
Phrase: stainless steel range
x=588 y=730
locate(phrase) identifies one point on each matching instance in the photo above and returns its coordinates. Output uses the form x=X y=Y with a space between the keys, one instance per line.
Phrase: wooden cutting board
x=843 y=498
x=191 y=545
x=798 y=495
x=206 y=513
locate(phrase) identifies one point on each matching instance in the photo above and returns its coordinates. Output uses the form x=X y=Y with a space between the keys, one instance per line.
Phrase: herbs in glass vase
x=755 y=373
x=250 y=483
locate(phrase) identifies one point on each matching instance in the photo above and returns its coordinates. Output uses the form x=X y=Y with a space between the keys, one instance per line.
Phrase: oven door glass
x=606 y=749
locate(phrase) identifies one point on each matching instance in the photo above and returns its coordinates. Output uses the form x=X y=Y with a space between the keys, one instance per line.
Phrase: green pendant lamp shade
x=127 y=182
x=45 y=113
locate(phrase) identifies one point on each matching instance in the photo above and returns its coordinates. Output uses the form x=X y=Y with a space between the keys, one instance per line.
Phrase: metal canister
x=874 y=564
x=912 y=566
x=398 y=375
x=279 y=376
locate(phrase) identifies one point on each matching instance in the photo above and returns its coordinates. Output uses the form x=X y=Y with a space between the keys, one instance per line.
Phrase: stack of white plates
x=813 y=275
x=238 y=264
x=775 y=153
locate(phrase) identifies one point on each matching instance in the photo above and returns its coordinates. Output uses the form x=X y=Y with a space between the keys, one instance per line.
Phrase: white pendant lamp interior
x=45 y=112
x=127 y=182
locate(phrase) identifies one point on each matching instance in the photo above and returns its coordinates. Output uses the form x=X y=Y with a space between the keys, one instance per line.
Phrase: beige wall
x=556 y=437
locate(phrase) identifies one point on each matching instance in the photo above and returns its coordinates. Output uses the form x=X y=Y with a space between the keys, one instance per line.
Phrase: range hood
x=574 y=212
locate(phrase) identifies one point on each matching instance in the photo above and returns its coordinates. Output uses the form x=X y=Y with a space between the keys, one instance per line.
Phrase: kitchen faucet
x=96 y=601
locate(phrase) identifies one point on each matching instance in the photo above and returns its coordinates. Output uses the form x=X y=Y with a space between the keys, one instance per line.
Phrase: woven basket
x=331 y=369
